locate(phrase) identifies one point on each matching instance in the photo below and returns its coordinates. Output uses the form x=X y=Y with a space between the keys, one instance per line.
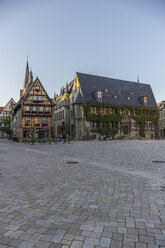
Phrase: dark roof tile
x=90 y=84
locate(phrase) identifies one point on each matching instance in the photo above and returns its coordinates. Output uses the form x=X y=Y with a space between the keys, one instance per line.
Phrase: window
x=47 y=110
x=131 y=93
x=27 y=120
x=101 y=111
x=92 y=111
x=136 y=126
x=105 y=111
x=40 y=98
x=115 y=96
x=96 y=111
x=27 y=109
x=99 y=94
x=145 y=99
x=45 y=121
x=146 y=126
x=151 y=126
x=119 y=92
x=37 y=88
x=34 y=109
x=128 y=98
x=41 y=109
x=106 y=125
x=106 y=90
x=37 y=98
x=34 y=98
x=94 y=126
x=115 y=109
x=37 y=121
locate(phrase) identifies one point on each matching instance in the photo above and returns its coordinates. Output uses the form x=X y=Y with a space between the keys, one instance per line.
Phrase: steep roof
x=111 y=87
x=30 y=85
x=79 y=99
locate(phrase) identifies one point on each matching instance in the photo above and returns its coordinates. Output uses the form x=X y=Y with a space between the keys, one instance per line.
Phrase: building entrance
x=125 y=130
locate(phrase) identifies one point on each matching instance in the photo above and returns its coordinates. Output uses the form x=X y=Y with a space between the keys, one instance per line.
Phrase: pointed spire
x=25 y=83
x=138 y=81
x=54 y=98
x=30 y=78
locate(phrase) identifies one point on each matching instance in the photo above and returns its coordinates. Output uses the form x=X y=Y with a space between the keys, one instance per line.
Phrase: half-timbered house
x=32 y=114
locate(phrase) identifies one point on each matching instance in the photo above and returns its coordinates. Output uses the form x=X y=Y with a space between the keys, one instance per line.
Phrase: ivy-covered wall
x=136 y=113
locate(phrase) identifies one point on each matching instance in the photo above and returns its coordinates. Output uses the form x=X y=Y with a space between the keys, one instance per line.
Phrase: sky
x=119 y=39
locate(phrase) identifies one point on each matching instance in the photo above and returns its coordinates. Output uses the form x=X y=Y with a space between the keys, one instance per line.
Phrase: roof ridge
x=110 y=78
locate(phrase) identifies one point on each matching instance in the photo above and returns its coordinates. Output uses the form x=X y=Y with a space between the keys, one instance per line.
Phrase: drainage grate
x=72 y=162
x=157 y=161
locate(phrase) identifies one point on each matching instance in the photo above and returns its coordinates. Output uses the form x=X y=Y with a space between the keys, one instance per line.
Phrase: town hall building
x=92 y=106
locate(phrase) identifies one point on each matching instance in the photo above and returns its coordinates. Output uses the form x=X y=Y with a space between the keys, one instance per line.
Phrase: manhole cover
x=72 y=162
x=157 y=161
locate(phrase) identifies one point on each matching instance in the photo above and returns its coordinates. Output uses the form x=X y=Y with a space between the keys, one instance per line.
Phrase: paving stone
x=105 y=242
x=42 y=244
x=5 y=240
x=109 y=200
x=76 y=244
x=17 y=234
x=118 y=236
x=91 y=241
x=26 y=244
x=146 y=239
x=141 y=245
x=116 y=244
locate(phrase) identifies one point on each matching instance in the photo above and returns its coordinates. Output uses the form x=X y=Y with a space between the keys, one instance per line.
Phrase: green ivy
x=99 y=118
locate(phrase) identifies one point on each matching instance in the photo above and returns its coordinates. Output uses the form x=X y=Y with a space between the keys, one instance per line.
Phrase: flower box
x=41 y=112
x=47 y=112
x=36 y=101
x=44 y=125
x=37 y=90
x=27 y=124
x=34 y=111
x=27 y=111
x=37 y=125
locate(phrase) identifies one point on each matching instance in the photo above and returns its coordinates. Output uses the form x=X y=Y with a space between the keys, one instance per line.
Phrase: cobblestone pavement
x=114 y=197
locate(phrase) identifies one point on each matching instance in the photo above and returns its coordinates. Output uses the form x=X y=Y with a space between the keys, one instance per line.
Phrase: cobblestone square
x=114 y=196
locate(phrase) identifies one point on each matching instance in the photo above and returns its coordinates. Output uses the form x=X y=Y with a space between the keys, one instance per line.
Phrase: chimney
x=21 y=94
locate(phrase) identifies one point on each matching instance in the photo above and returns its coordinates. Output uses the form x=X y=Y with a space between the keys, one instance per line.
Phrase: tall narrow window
x=99 y=94
x=145 y=100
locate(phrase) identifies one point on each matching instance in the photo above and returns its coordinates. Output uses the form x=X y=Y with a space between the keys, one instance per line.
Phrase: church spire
x=25 y=83
x=30 y=78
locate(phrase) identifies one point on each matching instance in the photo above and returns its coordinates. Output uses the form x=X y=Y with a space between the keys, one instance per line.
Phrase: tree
x=7 y=125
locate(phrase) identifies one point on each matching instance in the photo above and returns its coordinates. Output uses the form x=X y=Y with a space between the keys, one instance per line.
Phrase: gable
x=36 y=93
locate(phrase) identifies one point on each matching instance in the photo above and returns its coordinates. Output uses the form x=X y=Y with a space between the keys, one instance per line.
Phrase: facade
x=32 y=114
x=5 y=114
x=161 y=107
x=92 y=106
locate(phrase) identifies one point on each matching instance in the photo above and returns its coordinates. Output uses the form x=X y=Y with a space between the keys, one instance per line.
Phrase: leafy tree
x=7 y=125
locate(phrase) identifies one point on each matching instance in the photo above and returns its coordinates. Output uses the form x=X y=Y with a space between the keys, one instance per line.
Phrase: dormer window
x=119 y=92
x=131 y=93
x=106 y=90
x=115 y=96
x=99 y=94
x=145 y=99
x=128 y=98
